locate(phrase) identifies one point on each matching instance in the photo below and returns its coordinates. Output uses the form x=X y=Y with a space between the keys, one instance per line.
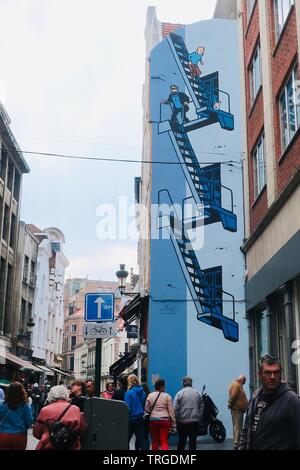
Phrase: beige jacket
x=237 y=397
x=163 y=407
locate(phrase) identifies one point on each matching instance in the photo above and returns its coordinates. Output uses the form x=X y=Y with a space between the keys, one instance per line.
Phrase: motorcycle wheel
x=217 y=431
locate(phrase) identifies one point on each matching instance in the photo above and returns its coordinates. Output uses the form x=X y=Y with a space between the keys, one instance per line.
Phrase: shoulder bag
x=147 y=415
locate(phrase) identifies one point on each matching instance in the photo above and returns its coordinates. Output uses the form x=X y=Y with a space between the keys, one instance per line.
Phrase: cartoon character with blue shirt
x=194 y=59
x=179 y=104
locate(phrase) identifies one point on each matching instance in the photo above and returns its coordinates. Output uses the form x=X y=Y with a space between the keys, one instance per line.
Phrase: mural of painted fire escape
x=205 y=285
x=206 y=189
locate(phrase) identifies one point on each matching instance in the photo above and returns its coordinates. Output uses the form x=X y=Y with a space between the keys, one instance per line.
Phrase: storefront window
x=262 y=334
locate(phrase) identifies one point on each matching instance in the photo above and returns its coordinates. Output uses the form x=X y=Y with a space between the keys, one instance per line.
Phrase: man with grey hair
x=188 y=406
x=273 y=415
x=237 y=403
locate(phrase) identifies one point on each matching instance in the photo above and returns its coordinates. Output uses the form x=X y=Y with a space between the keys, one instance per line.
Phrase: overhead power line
x=124 y=160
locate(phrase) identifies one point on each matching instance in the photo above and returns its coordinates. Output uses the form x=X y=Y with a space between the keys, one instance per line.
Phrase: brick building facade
x=270 y=44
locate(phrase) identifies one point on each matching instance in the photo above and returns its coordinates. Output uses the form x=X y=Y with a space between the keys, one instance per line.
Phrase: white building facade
x=49 y=298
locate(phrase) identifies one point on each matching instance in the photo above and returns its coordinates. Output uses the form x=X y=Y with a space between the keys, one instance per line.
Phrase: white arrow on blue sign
x=99 y=307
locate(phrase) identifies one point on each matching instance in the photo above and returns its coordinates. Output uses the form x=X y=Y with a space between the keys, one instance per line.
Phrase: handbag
x=172 y=431
x=147 y=415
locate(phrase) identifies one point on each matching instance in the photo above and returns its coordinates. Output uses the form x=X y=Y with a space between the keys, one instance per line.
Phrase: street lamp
x=30 y=325
x=122 y=275
x=83 y=368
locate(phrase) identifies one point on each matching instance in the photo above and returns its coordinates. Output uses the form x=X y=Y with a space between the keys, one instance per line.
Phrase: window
x=289 y=109
x=259 y=166
x=73 y=328
x=55 y=246
x=8 y=300
x=262 y=334
x=255 y=73
x=17 y=185
x=70 y=309
x=281 y=8
x=6 y=223
x=2 y=279
x=71 y=363
x=30 y=312
x=32 y=273
x=73 y=342
x=13 y=230
x=23 y=316
x=10 y=175
x=250 y=5
x=1 y=214
x=26 y=267
x=3 y=162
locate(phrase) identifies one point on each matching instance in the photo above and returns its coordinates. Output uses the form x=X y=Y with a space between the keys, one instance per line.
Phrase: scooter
x=209 y=422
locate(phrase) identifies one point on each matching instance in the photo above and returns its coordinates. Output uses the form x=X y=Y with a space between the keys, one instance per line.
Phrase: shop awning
x=25 y=365
x=4 y=383
x=123 y=363
x=45 y=369
x=58 y=371
x=130 y=312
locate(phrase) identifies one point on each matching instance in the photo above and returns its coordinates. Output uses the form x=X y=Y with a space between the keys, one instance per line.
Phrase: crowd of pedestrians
x=272 y=417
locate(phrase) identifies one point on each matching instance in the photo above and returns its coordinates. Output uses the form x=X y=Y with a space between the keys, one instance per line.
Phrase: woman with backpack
x=15 y=418
x=59 y=424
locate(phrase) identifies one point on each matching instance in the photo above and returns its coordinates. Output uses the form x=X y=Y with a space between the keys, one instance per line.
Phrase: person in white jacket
x=188 y=406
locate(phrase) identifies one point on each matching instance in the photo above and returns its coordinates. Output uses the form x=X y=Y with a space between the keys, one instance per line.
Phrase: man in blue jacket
x=179 y=104
x=273 y=416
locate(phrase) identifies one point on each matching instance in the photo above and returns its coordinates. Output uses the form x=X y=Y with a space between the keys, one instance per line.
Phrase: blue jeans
x=35 y=408
x=136 y=427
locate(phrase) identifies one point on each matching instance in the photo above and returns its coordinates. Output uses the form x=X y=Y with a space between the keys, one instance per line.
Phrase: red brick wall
x=255 y=115
x=167 y=28
x=251 y=33
x=282 y=62
x=283 y=57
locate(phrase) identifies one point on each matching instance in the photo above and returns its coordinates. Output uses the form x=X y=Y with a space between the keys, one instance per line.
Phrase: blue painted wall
x=197 y=323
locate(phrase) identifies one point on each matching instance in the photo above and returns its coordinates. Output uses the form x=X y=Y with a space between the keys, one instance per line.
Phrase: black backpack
x=62 y=437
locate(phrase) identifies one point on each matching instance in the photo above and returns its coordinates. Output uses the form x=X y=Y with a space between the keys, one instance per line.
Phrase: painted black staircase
x=205 y=183
x=205 y=285
x=204 y=91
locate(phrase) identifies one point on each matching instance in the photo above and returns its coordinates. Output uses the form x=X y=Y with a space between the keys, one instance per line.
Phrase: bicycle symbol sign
x=98 y=330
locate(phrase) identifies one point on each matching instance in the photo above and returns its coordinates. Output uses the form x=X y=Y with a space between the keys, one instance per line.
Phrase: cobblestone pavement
x=210 y=444
x=202 y=444
x=31 y=441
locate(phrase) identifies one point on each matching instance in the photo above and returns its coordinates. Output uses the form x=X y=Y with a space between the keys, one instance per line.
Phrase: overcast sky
x=71 y=76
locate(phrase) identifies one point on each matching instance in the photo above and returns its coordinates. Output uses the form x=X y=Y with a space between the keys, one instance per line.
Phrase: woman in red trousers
x=162 y=416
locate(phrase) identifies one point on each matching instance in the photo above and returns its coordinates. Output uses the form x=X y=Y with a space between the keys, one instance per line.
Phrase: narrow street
x=149 y=229
x=203 y=444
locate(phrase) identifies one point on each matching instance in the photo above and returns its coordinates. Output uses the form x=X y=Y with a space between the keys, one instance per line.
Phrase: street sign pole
x=98 y=366
x=99 y=308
